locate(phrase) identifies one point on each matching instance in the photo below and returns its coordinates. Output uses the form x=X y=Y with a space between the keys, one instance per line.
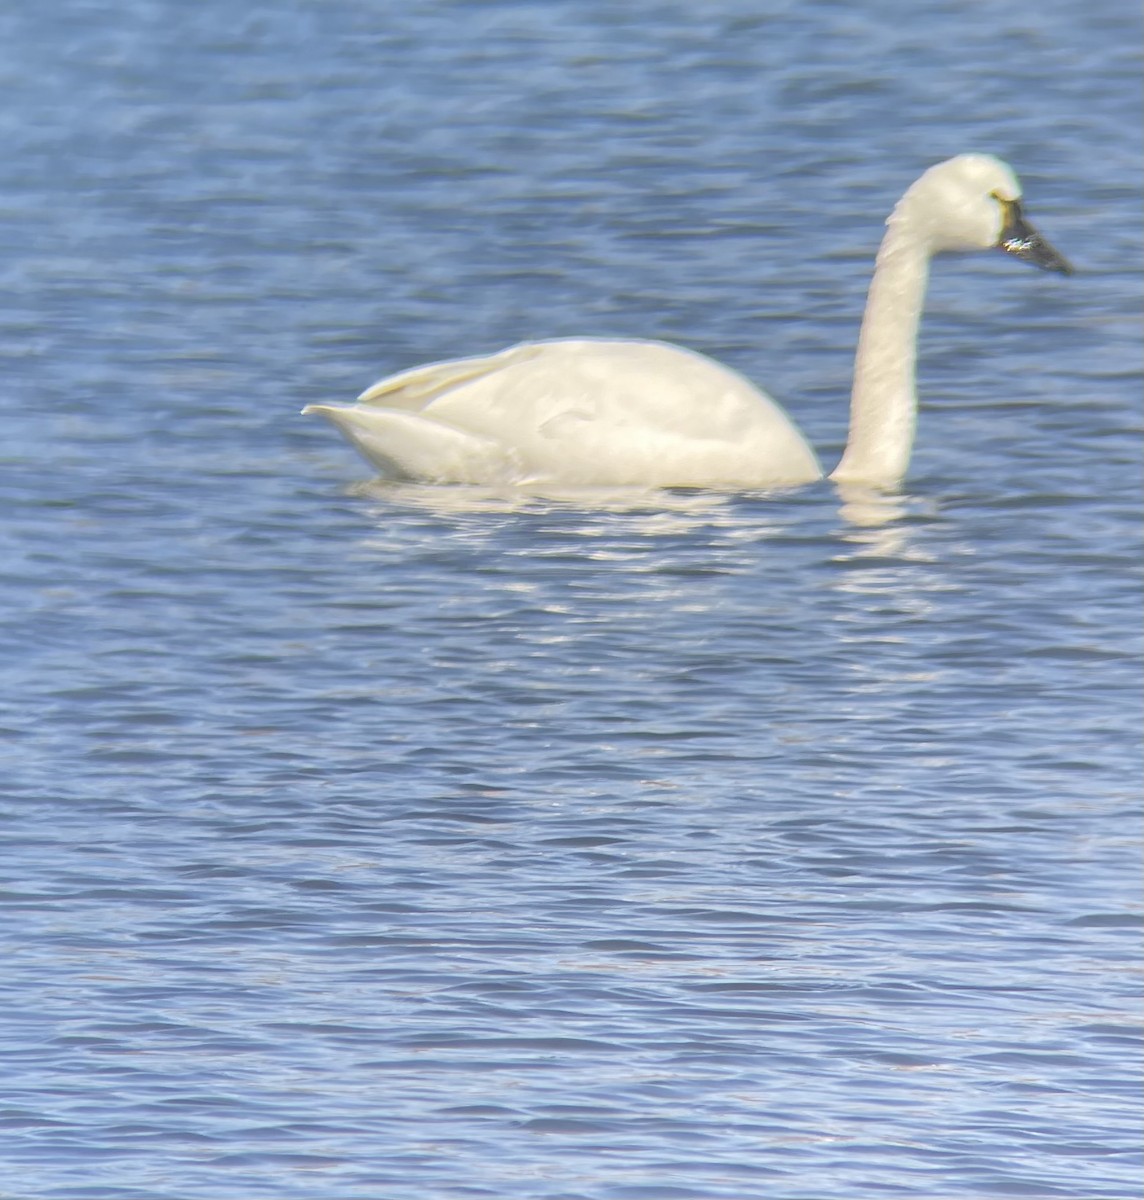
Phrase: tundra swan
x=597 y=413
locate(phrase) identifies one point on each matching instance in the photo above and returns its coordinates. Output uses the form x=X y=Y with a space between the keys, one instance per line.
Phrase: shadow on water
x=861 y=508
x=857 y=523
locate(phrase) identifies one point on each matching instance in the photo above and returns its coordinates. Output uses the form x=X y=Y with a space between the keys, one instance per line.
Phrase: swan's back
x=582 y=412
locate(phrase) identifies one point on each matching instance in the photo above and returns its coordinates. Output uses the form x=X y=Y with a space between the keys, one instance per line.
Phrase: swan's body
x=591 y=412
x=578 y=412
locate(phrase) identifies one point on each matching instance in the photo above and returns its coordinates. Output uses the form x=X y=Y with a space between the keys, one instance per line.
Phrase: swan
x=595 y=412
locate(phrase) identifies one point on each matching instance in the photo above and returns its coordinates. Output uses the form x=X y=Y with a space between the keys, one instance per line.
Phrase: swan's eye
x=1011 y=208
x=1013 y=227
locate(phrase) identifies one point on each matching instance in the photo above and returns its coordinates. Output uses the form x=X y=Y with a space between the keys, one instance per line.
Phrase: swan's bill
x=1022 y=241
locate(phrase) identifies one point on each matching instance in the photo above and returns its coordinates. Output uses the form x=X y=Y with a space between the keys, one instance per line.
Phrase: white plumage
x=605 y=413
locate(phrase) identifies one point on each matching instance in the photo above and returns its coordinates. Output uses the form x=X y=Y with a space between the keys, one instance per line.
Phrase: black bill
x=1022 y=241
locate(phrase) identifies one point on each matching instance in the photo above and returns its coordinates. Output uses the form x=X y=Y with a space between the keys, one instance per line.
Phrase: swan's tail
x=404 y=445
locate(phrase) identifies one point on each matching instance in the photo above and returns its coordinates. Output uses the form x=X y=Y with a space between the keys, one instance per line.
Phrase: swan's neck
x=883 y=403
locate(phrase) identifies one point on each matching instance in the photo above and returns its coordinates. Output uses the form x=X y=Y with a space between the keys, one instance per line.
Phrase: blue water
x=366 y=842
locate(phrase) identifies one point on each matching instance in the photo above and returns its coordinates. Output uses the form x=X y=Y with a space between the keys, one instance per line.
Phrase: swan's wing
x=626 y=387
x=419 y=386
x=606 y=411
x=404 y=445
x=579 y=411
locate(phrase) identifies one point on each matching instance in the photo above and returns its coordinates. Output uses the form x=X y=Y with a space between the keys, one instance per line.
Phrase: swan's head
x=973 y=202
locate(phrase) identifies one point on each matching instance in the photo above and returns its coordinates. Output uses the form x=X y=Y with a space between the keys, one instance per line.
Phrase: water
x=373 y=843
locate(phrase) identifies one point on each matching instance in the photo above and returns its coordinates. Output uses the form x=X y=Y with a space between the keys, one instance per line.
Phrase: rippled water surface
x=367 y=842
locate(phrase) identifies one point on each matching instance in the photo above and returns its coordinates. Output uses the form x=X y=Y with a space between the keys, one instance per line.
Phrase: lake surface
x=375 y=842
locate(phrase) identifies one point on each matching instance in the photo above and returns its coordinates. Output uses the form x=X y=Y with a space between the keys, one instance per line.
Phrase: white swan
x=605 y=413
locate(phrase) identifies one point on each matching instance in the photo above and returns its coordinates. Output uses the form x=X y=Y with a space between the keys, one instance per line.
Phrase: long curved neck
x=883 y=403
